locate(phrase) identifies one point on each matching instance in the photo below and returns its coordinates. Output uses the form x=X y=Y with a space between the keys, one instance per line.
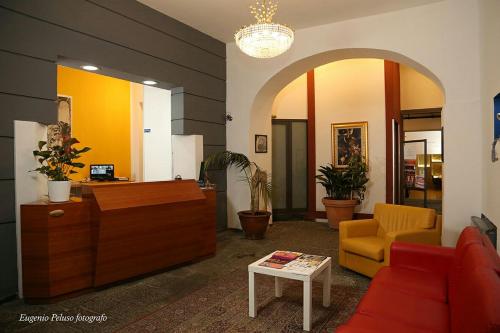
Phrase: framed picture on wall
x=260 y=143
x=349 y=139
x=64 y=108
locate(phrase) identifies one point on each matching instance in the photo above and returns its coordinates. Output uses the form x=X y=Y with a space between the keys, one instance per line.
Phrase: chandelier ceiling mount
x=264 y=39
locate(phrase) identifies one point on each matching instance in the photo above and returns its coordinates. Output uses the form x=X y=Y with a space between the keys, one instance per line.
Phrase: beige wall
x=352 y=91
x=418 y=91
x=291 y=102
x=445 y=47
x=490 y=87
x=346 y=91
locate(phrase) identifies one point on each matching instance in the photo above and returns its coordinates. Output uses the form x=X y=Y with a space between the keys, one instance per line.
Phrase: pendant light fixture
x=264 y=39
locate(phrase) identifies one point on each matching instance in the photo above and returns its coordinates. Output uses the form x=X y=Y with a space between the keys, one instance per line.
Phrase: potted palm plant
x=57 y=161
x=345 y=189
x=254 y=222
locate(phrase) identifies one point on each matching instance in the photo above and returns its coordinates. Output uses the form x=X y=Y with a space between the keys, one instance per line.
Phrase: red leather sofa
x=430 y=288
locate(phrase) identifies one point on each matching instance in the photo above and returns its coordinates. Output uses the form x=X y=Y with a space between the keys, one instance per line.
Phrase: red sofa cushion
x=405 y=308
x=468 y=236
x=419 y=283
x=475 y=291
x=361 y=323
x=410 y=295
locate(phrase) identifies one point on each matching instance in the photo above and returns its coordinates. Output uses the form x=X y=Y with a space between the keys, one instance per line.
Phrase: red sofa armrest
x=422 y=257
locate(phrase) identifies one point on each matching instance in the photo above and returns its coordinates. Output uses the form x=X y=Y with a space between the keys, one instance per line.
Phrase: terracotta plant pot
x=254 y=225
x=339 y=210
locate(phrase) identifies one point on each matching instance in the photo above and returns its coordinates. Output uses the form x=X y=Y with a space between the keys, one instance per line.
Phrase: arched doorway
x=263 y=105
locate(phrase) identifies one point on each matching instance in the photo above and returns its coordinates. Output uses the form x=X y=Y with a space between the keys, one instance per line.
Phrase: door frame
x=294 y=212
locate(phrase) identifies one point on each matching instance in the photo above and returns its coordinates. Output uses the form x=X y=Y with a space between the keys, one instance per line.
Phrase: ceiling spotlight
x=90 y=67
x=150 y=82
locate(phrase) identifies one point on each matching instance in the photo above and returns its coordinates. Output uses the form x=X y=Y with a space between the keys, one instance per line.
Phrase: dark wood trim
x=426 y=110
x=357 y=216
x=392 y=112
x=311 y=145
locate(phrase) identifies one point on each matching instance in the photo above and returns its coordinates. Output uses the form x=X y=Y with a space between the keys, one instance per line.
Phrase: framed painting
x=349 y=139
x=260 y=143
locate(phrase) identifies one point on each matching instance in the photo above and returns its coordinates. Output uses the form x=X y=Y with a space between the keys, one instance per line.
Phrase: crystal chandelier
x=264 y=39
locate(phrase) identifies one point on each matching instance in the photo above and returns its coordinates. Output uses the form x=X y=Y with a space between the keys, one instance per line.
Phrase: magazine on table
x=305 y=262
x=280 y=258
x=296 y=261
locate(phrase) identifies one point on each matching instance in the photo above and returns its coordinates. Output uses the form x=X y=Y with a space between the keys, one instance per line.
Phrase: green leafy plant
x=57 y=159
x=256 y=178
x=345 y=183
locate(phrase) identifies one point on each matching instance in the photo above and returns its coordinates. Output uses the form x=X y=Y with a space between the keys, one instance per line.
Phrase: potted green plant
x=345 y=189
x=254 y=222
x=57 y=161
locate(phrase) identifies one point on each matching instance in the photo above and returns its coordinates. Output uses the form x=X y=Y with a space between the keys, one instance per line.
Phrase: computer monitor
x=102 y=171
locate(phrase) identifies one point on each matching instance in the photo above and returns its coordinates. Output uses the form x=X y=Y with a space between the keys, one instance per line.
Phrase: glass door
x=416 y=166
x=289 y=175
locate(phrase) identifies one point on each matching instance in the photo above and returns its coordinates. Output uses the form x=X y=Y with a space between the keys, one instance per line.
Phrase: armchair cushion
x=371 y=247
x=397 y=218
x=358 y=228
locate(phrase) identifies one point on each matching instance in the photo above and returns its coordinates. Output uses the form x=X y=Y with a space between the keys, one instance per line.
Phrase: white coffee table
x=279 y=274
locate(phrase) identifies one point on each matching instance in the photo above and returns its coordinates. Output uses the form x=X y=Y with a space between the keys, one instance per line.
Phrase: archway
x=262 y=105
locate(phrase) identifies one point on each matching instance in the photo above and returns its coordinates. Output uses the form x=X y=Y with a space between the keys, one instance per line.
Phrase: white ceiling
x=221 y=18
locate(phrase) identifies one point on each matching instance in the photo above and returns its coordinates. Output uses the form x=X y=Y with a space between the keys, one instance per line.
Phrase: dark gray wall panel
x=40 y=39
x=8 y=259
x=24 y=108
x=139 y=12
x=221 y=211
x=7 y=206
x=120 y=36
x=219 y=178
x=188 y=106
x=7 y=160
x=211 y=149
x=110 y=26
x=213 y=134
x=200 y=108
x=177 y=127
x=27 y=76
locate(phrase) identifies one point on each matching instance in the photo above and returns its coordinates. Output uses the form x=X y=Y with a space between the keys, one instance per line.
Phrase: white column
x=307 y=304
x=252 y=309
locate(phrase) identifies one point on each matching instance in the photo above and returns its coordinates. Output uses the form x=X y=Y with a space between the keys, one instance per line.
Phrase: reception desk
x=116 y=231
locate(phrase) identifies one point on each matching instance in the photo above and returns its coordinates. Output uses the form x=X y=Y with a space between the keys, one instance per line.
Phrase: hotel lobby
x=250 y=166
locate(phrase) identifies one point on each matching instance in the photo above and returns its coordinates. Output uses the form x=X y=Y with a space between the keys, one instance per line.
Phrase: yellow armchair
x=364 y=245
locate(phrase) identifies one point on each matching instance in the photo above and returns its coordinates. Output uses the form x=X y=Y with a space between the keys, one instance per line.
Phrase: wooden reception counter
x=115 y=232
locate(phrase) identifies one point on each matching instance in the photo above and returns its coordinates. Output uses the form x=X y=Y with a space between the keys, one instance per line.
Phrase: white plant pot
x=59 y=190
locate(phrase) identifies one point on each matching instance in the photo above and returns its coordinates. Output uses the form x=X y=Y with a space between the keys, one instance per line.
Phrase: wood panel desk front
x=121 y=231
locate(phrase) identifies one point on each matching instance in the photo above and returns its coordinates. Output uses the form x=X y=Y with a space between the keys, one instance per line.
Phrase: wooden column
x=392 y=112
x=311 y=146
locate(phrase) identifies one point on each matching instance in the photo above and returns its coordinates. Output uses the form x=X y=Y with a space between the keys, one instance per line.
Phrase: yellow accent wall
x=100 y=117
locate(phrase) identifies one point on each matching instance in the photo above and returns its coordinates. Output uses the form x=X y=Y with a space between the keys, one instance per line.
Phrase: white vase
x=59 y=190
